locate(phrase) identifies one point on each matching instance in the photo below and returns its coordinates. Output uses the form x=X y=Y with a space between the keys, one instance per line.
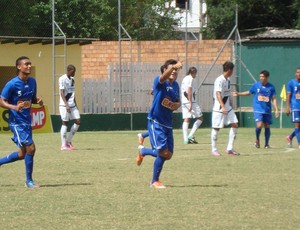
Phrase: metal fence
x=128 y=90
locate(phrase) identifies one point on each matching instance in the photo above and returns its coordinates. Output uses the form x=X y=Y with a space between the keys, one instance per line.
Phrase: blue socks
x=9 y=158
x=257 y=132
x=267 y=135
x=148 y=151
x=297 y=134
x=158 y=165
x=28 y=166
x=145 y=134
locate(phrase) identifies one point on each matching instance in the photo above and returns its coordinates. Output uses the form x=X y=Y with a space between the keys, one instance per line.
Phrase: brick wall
x=97 y=56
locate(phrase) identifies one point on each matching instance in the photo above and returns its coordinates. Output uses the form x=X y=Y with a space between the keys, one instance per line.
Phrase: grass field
x=99 y=185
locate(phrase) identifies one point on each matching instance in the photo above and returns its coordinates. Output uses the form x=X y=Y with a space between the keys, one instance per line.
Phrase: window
x=181 y=4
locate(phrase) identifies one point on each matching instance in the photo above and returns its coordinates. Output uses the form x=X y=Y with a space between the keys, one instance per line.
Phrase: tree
x=252 y=14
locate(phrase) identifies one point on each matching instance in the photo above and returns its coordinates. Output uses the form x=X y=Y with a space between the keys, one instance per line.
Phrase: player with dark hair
x=223 y=113
x=264 y=95
x=190 y=108
x=293 y=106
x=166 y=100
x=17 y=95
x=68 y=108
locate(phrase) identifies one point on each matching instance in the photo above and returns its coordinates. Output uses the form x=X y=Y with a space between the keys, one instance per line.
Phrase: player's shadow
x=64 y=185
x=199 y=186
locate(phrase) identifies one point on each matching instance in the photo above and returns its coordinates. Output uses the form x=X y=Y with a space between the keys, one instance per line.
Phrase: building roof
x=276 y=34
x=45 y=40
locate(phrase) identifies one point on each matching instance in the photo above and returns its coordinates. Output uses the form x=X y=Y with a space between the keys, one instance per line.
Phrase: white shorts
x=194 y=113
x=219 y=120
x=65 y=116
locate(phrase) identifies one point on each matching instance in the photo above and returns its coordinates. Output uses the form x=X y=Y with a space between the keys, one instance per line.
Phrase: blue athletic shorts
x=22 y=135
x=296 y=116
x=264 y=117
x=160 y=136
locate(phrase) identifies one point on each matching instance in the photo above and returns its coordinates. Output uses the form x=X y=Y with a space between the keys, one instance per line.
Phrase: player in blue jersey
x=264 y=95
x=293 y=106
x=17 y=95
x=166 y=100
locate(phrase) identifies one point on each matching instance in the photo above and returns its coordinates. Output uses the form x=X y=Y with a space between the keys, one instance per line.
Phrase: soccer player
x=68 y=108
x=166 y=100
x=293 y=106
x=264 y=95
x=190 y=108
x=223 y=113
x=17 y=95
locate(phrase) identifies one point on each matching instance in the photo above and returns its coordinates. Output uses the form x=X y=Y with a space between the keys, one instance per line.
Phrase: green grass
x=99 y=185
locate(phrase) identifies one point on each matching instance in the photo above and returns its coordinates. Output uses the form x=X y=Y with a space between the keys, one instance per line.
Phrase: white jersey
x=186 y=83
x=222 y=85
x=68 y=86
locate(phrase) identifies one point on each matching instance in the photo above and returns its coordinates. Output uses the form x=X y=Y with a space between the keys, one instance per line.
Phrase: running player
x=190 y=108
x=293 y=106
x=67 y=107
x=223 y=113
x=166 y=100
x=264 y=95
x=17 y=95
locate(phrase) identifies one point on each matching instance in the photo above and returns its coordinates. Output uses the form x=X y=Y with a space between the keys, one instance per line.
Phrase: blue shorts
x=264 y=117
x=160 y=136
x=22 y=135
x=296 y=116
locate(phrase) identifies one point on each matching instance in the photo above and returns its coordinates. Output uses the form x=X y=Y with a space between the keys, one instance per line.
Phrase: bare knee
x=165 y=154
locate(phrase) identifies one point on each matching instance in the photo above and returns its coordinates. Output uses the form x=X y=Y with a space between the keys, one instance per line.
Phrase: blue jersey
x=16 y=91
x=165 y=95
x=293 y=87
x=262 y=97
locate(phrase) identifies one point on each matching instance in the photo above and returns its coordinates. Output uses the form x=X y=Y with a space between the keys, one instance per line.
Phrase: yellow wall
x=41 y=58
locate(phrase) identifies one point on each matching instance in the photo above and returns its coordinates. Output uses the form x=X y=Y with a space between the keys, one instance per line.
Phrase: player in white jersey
x=68 y=108
x=190 y=108
x=223 y=114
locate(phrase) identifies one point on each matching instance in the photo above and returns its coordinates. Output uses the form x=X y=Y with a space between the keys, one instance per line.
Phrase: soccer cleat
x=257 y=144
x=267 y=147
x=233 y=152
x=289 y=141
x=71 y=147
x=65 y=148
x=140 y=157
x=140 y=139
x=215 y=153
x=31 y=185
x=192 y=140
x=158 y=185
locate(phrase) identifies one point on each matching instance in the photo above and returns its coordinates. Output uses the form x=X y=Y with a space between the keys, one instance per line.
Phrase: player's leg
x=196 y=113
x=186 y=115
x=142 y=136
x=258 y=126
x=29 y=160
x=76 y=116
x=295 y=120
x=233 y=121
x=64 y=127
x=165 y=146
x=217 y=124
x=267 y=120
x=17 y=155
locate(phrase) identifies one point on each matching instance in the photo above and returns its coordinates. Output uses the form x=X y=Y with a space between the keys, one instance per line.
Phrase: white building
x=194 y=17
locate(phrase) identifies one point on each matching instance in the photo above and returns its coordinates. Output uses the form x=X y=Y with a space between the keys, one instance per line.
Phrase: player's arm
x=64 y=100
x=274 y=101
x=4 y=104
x=220 y=100
x=189 y=97
x=245 y=93
x=167 y=73
x=288 y=103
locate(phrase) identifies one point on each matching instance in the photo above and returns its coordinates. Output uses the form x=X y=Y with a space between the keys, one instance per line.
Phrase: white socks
x=232 y=135
x=214 y=138
x=185 y=126
x=63 y=134
x=196 y=125
x=73 y=130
